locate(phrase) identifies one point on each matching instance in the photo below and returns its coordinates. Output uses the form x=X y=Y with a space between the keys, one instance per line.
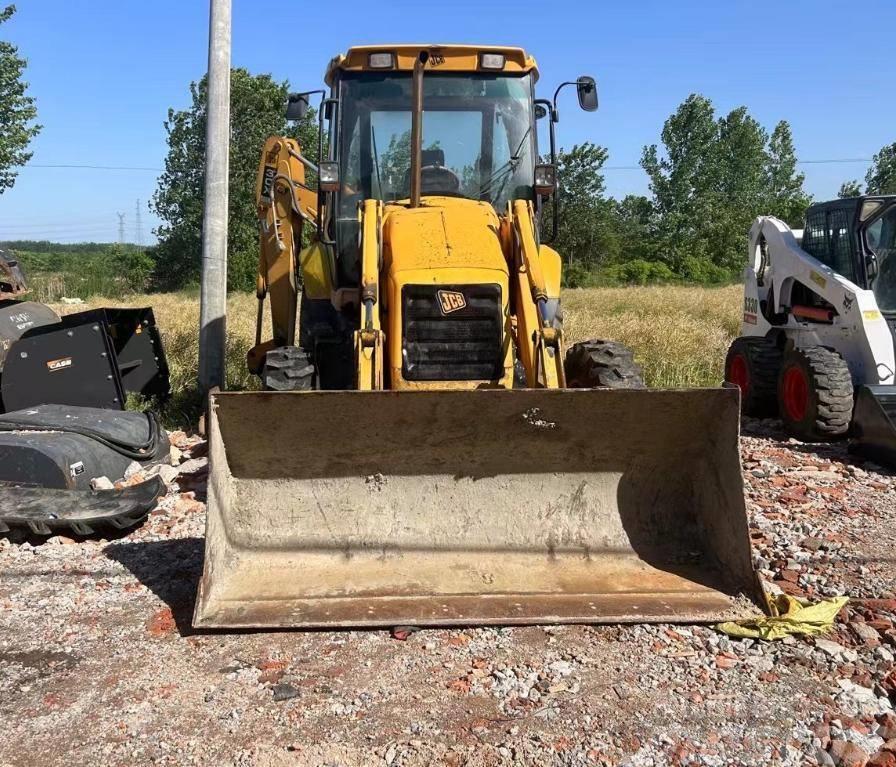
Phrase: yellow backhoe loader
x=427 y=451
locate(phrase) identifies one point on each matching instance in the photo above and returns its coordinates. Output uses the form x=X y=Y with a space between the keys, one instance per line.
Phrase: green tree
x=881 y=177
x=257 y=110
x=713 y=177
x=685 y=181
x=635 y=225
x=850 y=189
x=787 y=198
x=17 y=110
x=586 y=236
x=742 y=162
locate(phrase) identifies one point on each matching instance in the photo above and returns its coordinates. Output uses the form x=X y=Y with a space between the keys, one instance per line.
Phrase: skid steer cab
x=466 y=469
x=817 y=342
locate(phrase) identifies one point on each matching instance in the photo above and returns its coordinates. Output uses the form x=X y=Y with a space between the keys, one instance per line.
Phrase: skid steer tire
x=288 y=368
x=602 y=364
x=815 y=393
x=753 y=364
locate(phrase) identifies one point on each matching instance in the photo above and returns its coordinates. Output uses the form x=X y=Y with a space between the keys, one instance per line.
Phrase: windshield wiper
x=376 y=160
x=506 y=171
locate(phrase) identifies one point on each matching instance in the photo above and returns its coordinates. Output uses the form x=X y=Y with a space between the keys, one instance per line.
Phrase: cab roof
x=442 y=57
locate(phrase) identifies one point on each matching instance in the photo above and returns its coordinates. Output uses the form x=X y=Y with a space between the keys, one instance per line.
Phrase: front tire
x=752 y=364
x=602 y=364
x=815 y=393
x=288 y=368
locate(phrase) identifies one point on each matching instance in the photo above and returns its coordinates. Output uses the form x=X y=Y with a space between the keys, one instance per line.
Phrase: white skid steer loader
x=816 y=344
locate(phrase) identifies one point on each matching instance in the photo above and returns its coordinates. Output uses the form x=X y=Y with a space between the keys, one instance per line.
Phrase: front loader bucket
x=873 y=434
x=474 y=507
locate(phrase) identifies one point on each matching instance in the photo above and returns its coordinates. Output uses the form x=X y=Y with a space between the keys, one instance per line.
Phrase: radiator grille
x=452 y=333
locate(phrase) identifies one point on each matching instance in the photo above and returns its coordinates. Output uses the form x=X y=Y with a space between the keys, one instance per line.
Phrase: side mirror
x=587 y=90
x=296 y=106
x=540 y=111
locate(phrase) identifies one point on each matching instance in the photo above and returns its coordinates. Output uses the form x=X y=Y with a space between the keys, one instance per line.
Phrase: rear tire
x=752 y=364
x=288 y=368
x=815 y=392
x=602 y=364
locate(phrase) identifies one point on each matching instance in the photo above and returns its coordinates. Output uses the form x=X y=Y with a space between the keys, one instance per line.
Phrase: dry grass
x=679 y=334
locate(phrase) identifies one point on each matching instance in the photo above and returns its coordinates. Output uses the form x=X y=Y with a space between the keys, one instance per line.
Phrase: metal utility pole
x=120 y=228
x=138 y=225
x=213 y=293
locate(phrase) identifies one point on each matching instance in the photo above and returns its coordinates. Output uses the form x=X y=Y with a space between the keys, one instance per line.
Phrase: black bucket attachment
x=89 y=359
x=873 y=434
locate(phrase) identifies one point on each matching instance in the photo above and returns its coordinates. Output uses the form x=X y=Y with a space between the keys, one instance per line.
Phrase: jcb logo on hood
x=451 y=301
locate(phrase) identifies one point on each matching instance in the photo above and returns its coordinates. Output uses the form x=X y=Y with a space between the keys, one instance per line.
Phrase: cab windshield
x=478 y=140
x=880 y=237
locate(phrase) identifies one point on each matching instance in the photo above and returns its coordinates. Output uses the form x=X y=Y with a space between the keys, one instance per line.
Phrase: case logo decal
x=451 y=301
x=61 y=364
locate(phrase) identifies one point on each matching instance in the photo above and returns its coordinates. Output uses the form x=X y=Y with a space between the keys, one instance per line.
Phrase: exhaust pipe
x=417 y=127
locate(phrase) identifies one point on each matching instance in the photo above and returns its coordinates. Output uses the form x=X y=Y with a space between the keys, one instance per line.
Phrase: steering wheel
x=437 y=179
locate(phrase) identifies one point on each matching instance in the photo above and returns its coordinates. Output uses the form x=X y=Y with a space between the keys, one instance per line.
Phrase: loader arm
x=284 y=203
x=777 y=267
x=540 y=337
x=369 y=339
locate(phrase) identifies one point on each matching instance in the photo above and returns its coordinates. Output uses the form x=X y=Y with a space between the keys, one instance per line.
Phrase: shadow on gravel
x=170 y=569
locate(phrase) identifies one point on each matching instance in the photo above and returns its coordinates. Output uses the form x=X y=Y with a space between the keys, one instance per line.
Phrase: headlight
x=381 y=61
x=491 y=61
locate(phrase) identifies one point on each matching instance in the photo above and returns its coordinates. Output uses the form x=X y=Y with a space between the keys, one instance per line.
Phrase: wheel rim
x=795 y=394
x=739 y=374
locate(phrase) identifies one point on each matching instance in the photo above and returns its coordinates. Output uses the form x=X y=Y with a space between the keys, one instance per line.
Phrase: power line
x=839 y=160
x=828 y=161
x=95 y=167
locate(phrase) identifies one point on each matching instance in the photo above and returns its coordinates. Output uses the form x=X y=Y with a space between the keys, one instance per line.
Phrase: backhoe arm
x=284 y=204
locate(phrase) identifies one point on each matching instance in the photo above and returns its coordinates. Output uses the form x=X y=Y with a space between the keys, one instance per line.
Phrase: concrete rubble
x=99 y=665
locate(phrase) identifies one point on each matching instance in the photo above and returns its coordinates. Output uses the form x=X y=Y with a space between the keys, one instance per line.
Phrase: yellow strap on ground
x=787 y=615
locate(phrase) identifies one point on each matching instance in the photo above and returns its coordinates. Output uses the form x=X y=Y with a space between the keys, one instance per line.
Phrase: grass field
x=679 y=334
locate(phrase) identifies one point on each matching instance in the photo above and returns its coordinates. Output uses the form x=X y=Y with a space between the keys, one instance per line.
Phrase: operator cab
x=856 y=237
x=478 y=140
x=478 y=133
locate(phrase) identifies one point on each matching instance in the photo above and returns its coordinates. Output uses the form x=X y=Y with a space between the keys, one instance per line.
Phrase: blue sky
x=105 y=72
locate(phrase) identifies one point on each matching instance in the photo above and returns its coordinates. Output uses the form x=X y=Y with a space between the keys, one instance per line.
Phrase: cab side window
x=828 y=238
x=815 y=241
x=842 y=258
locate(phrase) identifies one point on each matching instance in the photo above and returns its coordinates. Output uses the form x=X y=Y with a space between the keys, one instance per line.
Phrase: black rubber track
x=288 y=368
x=830 y=394
x=763 y=364
x=606 y=364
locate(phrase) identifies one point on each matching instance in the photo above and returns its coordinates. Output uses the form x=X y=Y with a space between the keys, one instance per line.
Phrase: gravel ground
x=99 y=666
